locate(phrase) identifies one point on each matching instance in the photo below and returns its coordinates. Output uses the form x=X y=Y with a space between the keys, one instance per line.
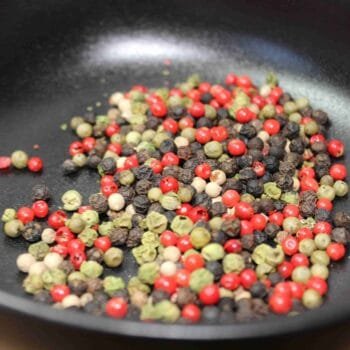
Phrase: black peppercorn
x=166 y=146
x=275 y=278
x=94 y=308
x=210 y=314
x=271 y=163
x=245 y=161
x=320 y=116
x=217 y=209
x=143 y=186
x=342 y=219
x=271 y=230
x=222 y=113
x=40 y=192
x=204 y=122
x=185 y=296
x=215 y=268
x=258 y=290
x=232 y=184
x=43 y=296
x=77 y=287
x=119 y=236
x=227 y=304
x=32 y=232
x=322 y=215
x=95 y=254
x=286 y=97
x=201 y=199
x=226 y=317
x=93 y=161
x=69 y=167
x=232 y=227
x=128 y=194
x=219 y=237
x=284 y=181
x=340 y=235
x=260 y=237
x=127 y=150
x=184 y=153
x=297 y=145
x=255 y=143
x=98 y=202
x=247 y=174
x=143 y=172
x=247 y=131
x=255 y=187
x=248 y=242
x=276 y=151
x=134 y=237
x=94 y=285
x=107 y=166
x=206 y=97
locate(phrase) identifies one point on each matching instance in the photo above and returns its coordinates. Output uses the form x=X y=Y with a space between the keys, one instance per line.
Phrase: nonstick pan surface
x=58 y=57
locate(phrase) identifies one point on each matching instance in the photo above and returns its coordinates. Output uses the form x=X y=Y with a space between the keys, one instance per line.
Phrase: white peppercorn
x=171 y=253
x=199 y=184
x=25 y=261
x=48 y=235
x=116 y=201
x=53 y=260
x=168 y=268
x=71 y=301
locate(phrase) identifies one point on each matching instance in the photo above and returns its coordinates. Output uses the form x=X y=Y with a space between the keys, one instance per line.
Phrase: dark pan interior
x=58 y=57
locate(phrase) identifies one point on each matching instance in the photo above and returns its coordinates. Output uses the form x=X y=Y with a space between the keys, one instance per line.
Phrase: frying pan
x=58 y=57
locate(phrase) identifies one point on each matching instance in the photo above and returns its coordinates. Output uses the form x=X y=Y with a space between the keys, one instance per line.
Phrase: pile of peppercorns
x=224 y=193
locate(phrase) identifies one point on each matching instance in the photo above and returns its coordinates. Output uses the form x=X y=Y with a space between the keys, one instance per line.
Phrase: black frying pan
x=57 y=58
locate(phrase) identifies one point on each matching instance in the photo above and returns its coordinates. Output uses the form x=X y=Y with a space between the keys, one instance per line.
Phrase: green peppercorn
x=181 y=225
x=290 y=107
x=76 y=276
x=13 y=228
x=307 y=246
x=118 y=138
x=126 y=178
x=123 y=221
x=189 y=134
x=291 y=224
x=290 y=197
x=322 y=241
x=156 y=222
x=213 y=149
x=326 y=191
x=311 y=128
x=91 y=269
x=320 y=257
x=200 y=278
x=272 y=190
x=76 y=224
x=302 y=102
x=19 y=159
x=213 y=251
x=341 y=188
x=90 y=217
x=135 y=285
x=33 y=284
x=295 y=117
x=167 y=312
x=84 y=130
x=159 y=138
x=210 y=112
x=170 y=201
x=311 y=299
x=113 y=257
x=320 y=270
x=268 y=111
x=199 y=237
x=8 y=215
x=144 y=254
x=112 y=284
x=154 y=194
x=247 y=198
x=88 y=236
x=301 y=274
x=263 y=270
x=72 y=200
x=233 y=263
x=327 y=180
x=39 y=250
x=52 y=277
x=150 y=239
x=148 y=272
x=185 y=194
x=133 y=138
x=76 y=121
x=148 y=135
x=105 y=228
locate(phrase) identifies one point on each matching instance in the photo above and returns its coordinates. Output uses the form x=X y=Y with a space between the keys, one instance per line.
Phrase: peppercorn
x=98 y=202
x=32 y=232
x=342 y=219
x=215 y=268
x=113 y=257
x=93 y=161
x=340 y=235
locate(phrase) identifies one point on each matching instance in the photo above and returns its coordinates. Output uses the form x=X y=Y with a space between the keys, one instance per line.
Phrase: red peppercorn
x=214 y=104
x=215 y=89
x=170 y=158
x=223 y=97
x=103 y=243
x=184 y=209
x=184 y=243
x=170 y=125
x=77 y=258
x=276 y=218
x=116 y=307
x=168 y=238
x=335 y=148
x=244 y=115
x=203 y=171
x=285 y=269
x=318 y=284
x=182 y=278
x=197 y=110
x=5 y=162
x=198 y=213
x=338 y=171
x=159 y=109
x=204 y=87
x=219 y=133
x=280 y=304
x=64 y=235
x=35 y=164
x=76 y=147
x=106 y=180
x=88 y=144
x=40 y=208
x=233 y=246
x=230 y=281
x=131 y=162
x=248 y=278
x=112 y=129
x=176 y=92
x=59 y=292
x=194 y=95
x=209 y=295
x=291 y=210
x=272 y=126
x=25 y=214
x=186 y=122
x=109 y=189
x=244 y=211
x=193 y=262
x=230 y=198
x=276 y=92
x=259 y=168
x=156 y=166
x=243 y=81
x=304 y=233
x=297 y=289
x=308 y=184
x=246 y=227
x=191 y=312
x=169 y=184
x=60 y=249
x=230 y=79
x=317 y=138
x=322 y=227
x=203 y=135
x=140 y=88
x=307 y=171
x=279 y=109
x=324 y=203
x=259 y=101
x=299 y=259
x=75 y=245
x=115 y=147
x=283 y=288
x=259 y=222
x=336 y=251
x=166 y=284
x=236 y=147
x=153 y=98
